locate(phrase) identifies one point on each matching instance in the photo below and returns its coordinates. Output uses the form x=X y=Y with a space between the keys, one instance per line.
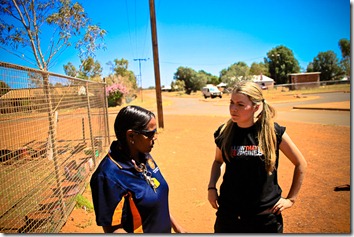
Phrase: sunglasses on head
x=147 y=133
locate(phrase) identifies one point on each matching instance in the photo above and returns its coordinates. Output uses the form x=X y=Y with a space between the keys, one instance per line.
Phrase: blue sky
x=209 y=35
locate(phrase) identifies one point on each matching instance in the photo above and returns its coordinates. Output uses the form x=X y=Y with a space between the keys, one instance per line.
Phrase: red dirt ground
x=185 y=151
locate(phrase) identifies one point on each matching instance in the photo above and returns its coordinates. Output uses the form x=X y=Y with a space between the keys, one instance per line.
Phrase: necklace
x=146 y=174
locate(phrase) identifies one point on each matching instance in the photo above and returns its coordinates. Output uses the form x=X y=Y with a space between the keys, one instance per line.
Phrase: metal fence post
x=108 y=137
x=90 y=125
x=52 y=137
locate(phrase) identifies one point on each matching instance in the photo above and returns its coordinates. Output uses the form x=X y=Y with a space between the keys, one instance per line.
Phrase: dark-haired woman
x=128 y=190
x=251 y=200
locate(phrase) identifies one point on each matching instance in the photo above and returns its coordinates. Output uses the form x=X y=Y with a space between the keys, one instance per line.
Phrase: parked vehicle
x=211 y=91
x=166 y=88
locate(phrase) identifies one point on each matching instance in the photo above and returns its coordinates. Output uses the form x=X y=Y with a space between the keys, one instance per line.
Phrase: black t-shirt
x=247 y=188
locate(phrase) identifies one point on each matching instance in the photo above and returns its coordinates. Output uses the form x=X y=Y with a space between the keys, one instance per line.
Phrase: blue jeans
x=265 y=223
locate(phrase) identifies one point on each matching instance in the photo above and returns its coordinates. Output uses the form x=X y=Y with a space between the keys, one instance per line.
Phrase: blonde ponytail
x=267 y=137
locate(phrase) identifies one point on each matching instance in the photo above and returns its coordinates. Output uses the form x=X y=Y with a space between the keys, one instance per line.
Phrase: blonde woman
x=251 y=200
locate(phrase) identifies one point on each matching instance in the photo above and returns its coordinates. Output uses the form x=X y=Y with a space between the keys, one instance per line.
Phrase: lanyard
x=146 y=174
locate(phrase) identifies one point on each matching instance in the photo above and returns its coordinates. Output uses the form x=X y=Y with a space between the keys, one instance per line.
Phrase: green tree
x=344 y=45
x=90 y=68
x=70 y=70
x=192 y=81
x=210 y=78
x=327 y=64
x=281 y=62
x=236 y=72
x=178 y=85
x=184 y=74
x=310 y=67
x=28 y=24
x=119 y=68
x=200 y=80
x=258 y=69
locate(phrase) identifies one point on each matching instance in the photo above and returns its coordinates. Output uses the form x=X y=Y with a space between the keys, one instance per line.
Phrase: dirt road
x=185 y=149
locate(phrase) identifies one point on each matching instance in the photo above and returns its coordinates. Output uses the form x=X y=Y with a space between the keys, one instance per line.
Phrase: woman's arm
x=214 y=177
x=176 y=227
x=290 y=150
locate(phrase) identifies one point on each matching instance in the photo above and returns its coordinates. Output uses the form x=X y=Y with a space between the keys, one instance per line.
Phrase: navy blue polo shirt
x=121 y=195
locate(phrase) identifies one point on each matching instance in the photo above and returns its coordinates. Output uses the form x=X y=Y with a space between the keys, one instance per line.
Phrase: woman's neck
x=138 y=157
x=245 y=125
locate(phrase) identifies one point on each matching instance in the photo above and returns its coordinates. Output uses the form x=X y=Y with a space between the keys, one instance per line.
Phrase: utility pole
x=140 y=79
x=156 y=63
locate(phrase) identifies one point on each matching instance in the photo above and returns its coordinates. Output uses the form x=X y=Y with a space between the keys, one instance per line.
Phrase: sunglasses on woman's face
x=147 y=133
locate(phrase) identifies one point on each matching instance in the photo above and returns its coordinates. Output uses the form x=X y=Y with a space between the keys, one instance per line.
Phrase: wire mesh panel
x=52 y=132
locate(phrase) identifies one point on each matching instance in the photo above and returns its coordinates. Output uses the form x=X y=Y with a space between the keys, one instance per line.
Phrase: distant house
x=304 y=80
x=264 y=81
x=221 y=85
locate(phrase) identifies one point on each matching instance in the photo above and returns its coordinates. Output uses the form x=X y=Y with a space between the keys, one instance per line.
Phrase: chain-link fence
x=53 y=131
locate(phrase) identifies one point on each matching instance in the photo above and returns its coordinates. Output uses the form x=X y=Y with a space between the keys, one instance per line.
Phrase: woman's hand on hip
x=281 y=205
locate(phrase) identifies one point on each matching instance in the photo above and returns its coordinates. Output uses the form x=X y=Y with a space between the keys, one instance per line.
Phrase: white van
x=211 y=91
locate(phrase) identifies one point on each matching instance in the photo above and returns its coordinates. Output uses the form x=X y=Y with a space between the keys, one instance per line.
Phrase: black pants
x=266 y=223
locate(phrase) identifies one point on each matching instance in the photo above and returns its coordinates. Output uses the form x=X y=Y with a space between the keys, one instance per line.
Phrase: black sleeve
x=279 y=131
x=216 y=134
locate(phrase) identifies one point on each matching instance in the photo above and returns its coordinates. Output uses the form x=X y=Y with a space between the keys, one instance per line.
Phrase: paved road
x=285 y=111
x=329 y=117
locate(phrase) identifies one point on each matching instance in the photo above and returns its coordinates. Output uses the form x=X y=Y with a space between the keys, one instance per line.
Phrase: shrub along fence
x=53 y=131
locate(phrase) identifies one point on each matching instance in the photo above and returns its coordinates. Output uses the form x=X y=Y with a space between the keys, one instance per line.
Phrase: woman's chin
x=234 y=119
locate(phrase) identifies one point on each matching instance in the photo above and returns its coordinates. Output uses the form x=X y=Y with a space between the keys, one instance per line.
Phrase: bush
x=115 y=94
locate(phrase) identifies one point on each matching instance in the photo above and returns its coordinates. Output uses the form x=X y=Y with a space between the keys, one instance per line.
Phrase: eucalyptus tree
x=234 y=73
x=259 y=68
x=326 y=63
x=70 y=70
x=178 y=85
x=281 y=62
x=47 y=28
x=90 y=69
x=188 y=75
x=119 y=69
x=210 y=78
